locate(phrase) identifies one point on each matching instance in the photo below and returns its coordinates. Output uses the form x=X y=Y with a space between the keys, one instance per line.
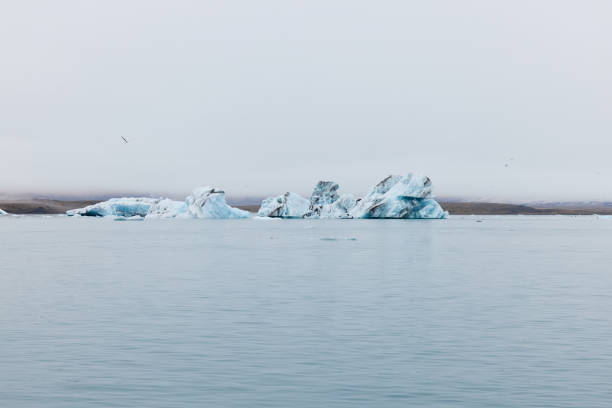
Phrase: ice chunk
x=117 y=207
x=134 y=218
x=288 y=205
x=166 y=208
x=394 y=197
x=415 y=186
x=399 y=207
x=400 y=197
x=325 y=202
x=204 y=202
x=341 y=208
x=3 y=212
x=324 y=194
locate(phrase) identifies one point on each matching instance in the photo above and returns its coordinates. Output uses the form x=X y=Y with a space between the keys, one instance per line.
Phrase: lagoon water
x=508 y=312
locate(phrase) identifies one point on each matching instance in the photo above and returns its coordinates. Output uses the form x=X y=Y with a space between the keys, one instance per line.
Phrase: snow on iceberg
x=288 y=205
x=204 y=202
x=394 y=197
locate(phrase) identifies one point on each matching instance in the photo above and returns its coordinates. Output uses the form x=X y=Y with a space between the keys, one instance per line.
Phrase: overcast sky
x=260 y=97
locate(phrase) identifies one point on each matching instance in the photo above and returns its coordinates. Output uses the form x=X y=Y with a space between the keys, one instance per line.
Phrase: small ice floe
x=265 y=218
x=134 y=218
x=338 y=239
x=604 y=217
x=3 y=212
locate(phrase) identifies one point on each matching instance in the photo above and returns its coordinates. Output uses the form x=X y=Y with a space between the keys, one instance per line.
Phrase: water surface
x=513 y=311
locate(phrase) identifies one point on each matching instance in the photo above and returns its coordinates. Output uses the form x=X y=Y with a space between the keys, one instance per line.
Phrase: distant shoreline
x=42 y=206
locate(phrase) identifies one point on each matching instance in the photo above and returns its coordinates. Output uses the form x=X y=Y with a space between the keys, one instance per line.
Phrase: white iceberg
x=167 y=208
x=394 y=197
x=288 y=205
x=2 y=212
x=204 y=202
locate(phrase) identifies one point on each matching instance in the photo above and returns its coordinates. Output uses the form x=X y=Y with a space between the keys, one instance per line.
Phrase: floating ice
x=167 y=208
x=400 y=197
x=3 y=212
x=117 y=207
x=325 y=202
x=204 y=202
x=324 y=195
x=134 y=218
x=394 y=197
x=288 y=205
x=338 y=239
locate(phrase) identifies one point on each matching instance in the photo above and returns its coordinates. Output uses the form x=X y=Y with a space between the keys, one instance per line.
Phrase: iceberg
x=204 y=202
x=167 y=208
x=325 y=202
x=407 y=196
x=400 y=197
x=117 y=207
x=3 y=212
x=288 y=205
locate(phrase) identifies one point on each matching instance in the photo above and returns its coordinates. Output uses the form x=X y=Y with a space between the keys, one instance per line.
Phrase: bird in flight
x=124 y=139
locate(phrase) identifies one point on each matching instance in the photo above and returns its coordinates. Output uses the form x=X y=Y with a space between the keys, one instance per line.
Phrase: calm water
x=508 y=312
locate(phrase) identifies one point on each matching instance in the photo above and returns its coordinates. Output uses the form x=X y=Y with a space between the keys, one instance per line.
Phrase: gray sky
x=261 y=97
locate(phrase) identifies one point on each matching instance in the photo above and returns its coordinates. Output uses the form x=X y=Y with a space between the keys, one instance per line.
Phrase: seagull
x=124 y=139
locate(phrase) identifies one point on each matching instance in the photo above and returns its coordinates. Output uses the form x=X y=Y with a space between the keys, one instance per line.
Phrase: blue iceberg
x=400 y=197
x=407 y=196
x=204 y=202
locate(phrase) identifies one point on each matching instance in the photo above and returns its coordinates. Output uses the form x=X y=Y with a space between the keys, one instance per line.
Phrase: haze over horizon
x=498 y=101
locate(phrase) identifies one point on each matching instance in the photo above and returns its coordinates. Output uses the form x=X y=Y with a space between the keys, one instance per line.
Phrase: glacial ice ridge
x=407 y=196
x=204 y=202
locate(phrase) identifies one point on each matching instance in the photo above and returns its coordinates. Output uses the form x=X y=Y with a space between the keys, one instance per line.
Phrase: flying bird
x=124 y=139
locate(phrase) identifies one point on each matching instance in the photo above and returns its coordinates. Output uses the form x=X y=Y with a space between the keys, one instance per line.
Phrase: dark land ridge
x=43 y=206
